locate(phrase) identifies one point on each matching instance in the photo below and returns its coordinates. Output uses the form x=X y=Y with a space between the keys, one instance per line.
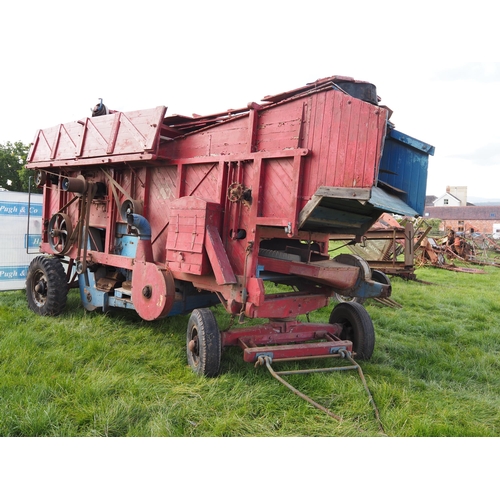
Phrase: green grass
x=435 y=372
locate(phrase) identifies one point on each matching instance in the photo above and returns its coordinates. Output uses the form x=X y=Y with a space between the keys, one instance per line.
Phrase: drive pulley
x=59 y=232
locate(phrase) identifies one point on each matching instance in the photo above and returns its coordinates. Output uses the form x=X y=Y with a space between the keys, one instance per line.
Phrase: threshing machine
x=166 y=215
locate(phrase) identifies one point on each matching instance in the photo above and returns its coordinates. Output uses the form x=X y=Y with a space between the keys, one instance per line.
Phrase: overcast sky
x=431 y=63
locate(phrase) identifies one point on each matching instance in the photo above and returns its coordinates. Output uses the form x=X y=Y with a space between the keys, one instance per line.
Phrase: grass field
x=435 y=372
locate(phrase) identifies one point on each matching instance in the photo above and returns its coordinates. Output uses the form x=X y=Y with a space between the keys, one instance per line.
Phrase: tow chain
x=345 y=354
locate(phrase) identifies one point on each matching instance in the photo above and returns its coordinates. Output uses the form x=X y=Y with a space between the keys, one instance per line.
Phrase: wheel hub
x=41 y=288
x=193 y=347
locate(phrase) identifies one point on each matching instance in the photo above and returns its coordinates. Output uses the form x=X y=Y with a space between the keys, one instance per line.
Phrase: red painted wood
x=134 y=132
x=280 y=152
x=285 y=306
x=221 y=266
x=328 y=272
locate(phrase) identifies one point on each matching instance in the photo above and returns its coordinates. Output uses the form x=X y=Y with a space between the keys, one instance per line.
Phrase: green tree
x=436 y=225
x=13 y=175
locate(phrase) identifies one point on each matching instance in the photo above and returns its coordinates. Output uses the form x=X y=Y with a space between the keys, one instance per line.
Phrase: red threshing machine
x=168 y=215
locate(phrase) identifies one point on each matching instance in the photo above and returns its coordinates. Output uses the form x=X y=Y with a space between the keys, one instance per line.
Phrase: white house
x=455 y=196
x=20 y=231
x=447 y=200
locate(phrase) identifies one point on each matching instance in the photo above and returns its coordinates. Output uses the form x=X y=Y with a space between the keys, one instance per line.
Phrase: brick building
x=480 y=219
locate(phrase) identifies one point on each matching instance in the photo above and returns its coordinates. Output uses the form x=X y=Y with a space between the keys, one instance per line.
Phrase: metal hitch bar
x=343 y=353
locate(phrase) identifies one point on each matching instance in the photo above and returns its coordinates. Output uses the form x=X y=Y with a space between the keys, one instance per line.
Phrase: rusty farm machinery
x=169 y=215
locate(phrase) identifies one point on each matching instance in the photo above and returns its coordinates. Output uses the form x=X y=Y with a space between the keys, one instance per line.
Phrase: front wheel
x=357 y=327
x=46 y=286
x=203 y=343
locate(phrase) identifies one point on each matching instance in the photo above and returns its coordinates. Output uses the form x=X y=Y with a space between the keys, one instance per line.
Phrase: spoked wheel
x=46 y=286
x=203 y=343
x=346 y=298
x=357 y=327
x=60 y=230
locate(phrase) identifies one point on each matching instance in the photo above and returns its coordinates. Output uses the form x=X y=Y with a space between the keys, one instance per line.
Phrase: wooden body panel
x=101 y=136
x=216 y=190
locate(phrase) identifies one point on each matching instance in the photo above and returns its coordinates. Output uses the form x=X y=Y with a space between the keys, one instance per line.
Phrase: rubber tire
x=205 y=357
x=357 y=327
x=48 y=272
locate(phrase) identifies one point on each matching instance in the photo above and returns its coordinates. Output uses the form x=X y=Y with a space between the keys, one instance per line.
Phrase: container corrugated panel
x=404 y=166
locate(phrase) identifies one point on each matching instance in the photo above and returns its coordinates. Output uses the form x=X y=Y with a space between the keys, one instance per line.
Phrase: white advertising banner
x=20 y=235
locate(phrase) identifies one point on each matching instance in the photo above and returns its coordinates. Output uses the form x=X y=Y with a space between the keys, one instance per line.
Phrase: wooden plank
x=328 y=272
x=217 y=256
x=308 y=209
x=119 y=133
x=319 y=175
x=343 y=141
x=350 y=179
x=83 y=135
x=363 y=171
x=332 y=146
x=114 y=133
x=201 y=180
x=56 y=143
x=344 y=192
x=278 y=188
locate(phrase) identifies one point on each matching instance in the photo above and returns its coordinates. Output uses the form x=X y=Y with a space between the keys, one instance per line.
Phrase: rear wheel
x=46 y=286
x=346 y=298
x=203 y=343
x=357 y=327
x=380 y=277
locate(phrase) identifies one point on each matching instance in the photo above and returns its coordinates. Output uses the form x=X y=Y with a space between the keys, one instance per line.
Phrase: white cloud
x=487 y=155
x=430 y=65
x=476 y=71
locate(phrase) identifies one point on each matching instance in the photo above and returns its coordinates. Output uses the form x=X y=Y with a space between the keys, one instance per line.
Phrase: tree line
x=13 y=174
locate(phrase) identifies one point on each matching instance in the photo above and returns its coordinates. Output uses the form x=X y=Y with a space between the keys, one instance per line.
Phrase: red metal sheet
x=153 y=290
x=283 y=340
x=328 y=272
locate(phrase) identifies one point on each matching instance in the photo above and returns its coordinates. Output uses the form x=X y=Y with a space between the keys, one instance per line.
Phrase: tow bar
x=344 y=354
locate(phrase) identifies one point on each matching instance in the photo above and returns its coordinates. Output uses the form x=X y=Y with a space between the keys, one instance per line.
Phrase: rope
x=261 y=360
x=267 y=360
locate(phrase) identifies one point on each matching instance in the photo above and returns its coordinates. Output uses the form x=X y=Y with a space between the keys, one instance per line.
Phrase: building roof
x=430 y=199
x=463 y=213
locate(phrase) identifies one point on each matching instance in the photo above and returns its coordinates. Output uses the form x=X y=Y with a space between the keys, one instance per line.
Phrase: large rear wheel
x=380 y=277
x=203 y=343
x=46 y=286
x=357 y=327
x=346 y=298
